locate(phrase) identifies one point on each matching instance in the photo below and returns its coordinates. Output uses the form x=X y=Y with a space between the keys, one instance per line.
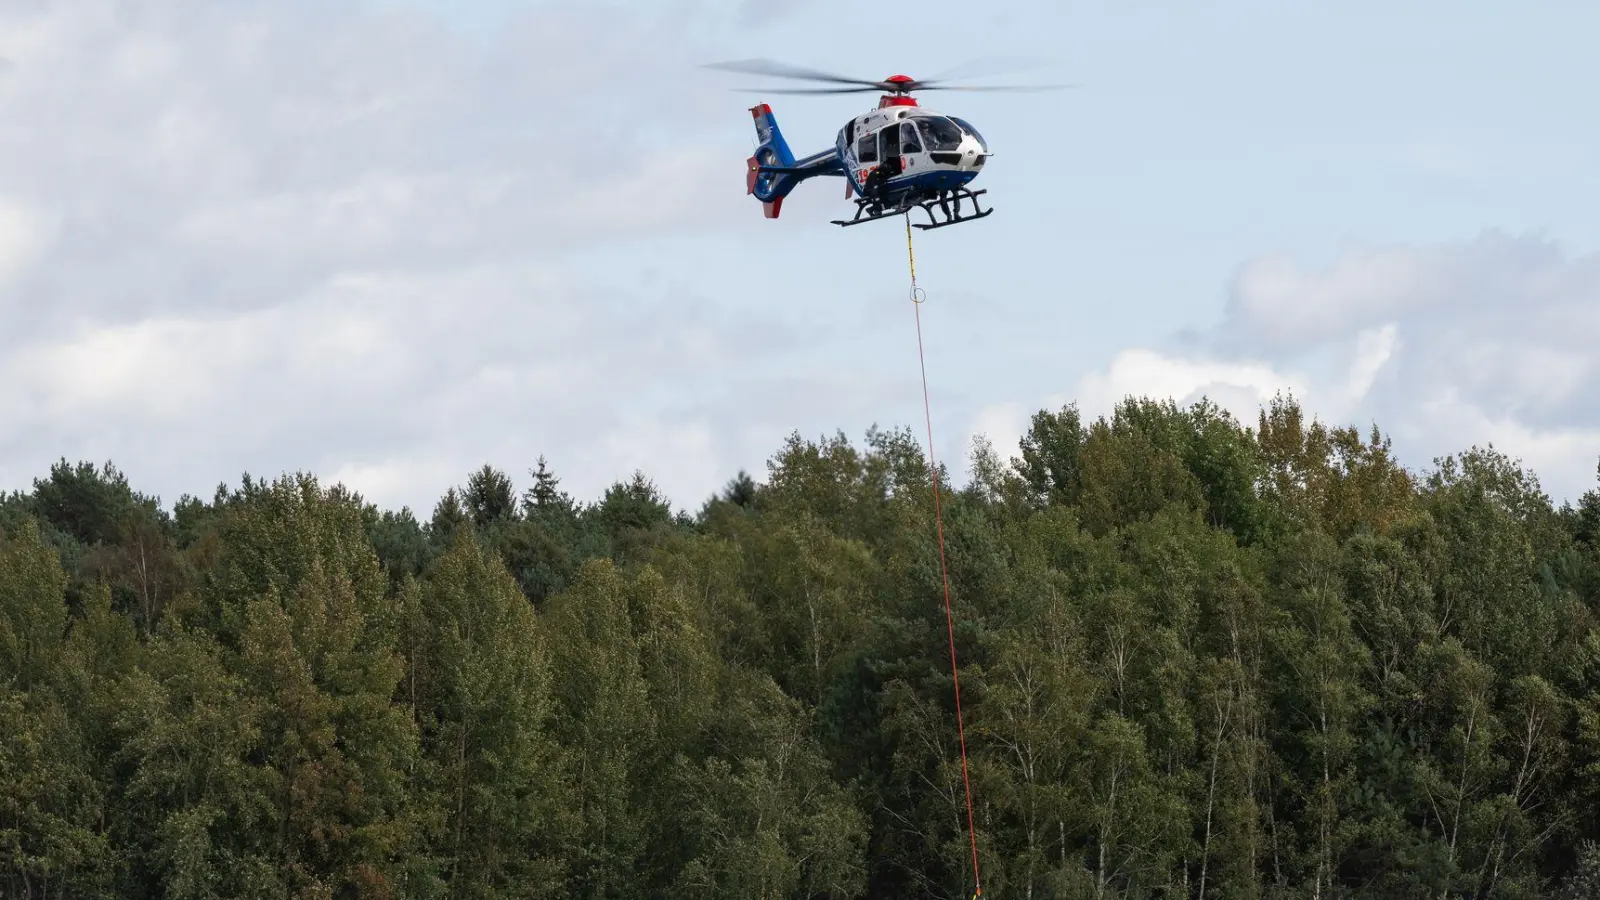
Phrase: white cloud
x=1279 y=305
x=1564 y=458
x=1232 y=384
x=276 y=236
x=1003 y=424
x=1495 y=340
x=23 y=239
x=1374 y=348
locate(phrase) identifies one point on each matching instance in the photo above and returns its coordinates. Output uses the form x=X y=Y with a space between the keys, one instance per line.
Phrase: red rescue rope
x=938 y=515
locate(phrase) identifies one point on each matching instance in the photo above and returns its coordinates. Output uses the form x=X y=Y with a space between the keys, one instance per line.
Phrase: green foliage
x=400 y=542
x=1198 y=660
x=477 y=685
x=489 y=497
x=33 y=614
x=1050 y=462
x=630 y=511
x=87 y=502
x=545 y=495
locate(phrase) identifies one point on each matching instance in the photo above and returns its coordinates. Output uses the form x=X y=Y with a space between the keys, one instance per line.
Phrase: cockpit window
x=967 y=127
x=939 y=133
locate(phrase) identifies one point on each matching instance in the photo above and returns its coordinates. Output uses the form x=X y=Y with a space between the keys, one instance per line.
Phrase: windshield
x=939 y=133
x=967 y=127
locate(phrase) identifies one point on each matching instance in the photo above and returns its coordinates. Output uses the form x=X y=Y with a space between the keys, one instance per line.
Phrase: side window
x=889 y=142
x=867 y=148
x=909 y=143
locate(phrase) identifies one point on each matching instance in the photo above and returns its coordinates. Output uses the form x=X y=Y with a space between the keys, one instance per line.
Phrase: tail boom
x=772 y=172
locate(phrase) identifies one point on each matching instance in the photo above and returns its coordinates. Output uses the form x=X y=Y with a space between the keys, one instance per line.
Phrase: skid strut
x=949 y=203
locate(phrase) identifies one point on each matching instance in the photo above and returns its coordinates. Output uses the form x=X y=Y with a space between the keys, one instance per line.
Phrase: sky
x=390 y=241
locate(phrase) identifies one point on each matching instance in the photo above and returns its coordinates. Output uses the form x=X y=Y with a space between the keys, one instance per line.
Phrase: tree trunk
x=1211 y=795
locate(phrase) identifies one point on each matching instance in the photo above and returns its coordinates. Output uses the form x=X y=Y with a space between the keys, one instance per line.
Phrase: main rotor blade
x=784 y=70
x=1005 y=88
x=989 y=65
x=850 y=90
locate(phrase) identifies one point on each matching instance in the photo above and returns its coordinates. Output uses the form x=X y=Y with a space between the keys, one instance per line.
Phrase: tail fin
x=769 y=187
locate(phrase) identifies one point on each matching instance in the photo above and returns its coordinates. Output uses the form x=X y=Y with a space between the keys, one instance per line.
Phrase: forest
x=1199 y=658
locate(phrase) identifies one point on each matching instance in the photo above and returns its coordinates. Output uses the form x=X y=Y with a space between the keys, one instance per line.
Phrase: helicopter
x=895 y=157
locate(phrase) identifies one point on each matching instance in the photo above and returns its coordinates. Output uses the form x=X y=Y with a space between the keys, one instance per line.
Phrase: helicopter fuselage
x=902 y=152
x=893 y=158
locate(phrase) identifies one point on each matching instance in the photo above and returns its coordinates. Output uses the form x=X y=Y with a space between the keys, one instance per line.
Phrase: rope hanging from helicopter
x=917 y=298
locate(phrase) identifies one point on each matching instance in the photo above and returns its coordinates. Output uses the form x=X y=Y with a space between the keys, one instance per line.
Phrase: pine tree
x=489 y=497
x=545 y=493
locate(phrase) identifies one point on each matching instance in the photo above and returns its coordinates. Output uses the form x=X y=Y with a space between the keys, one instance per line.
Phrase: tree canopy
x=1199 y=660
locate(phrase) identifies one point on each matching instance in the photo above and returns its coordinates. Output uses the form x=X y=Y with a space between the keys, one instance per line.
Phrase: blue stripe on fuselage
x=938 y=180
x=935 y=180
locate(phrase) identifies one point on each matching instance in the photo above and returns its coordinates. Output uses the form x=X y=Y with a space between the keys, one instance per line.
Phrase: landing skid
x=947 y=202
x=869 y=211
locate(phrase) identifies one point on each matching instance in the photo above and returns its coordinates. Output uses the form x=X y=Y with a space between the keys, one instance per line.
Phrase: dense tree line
x=1200 y=661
